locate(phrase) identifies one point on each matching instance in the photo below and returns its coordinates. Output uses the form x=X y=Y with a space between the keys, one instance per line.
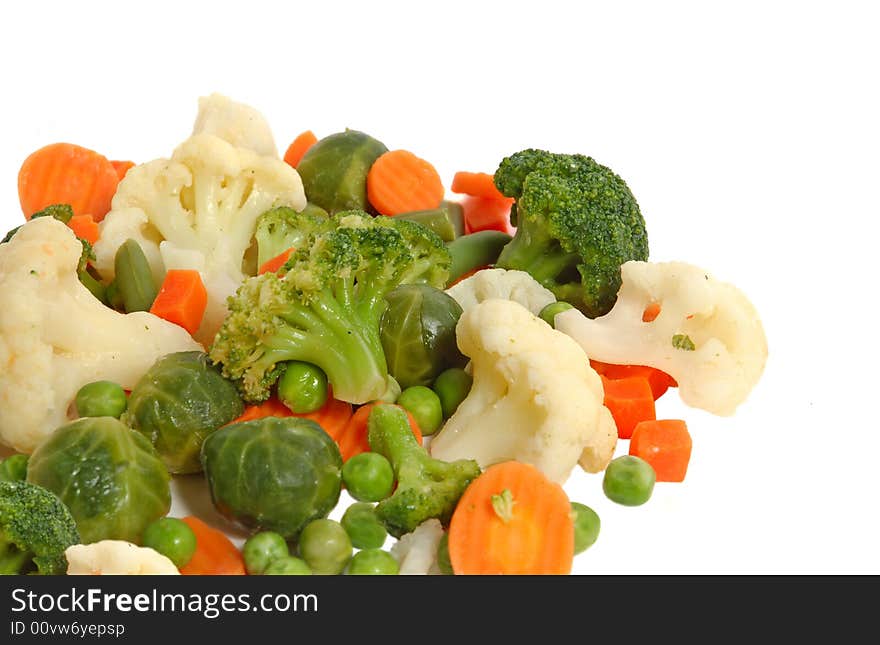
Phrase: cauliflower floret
x=202 y=204
x=416 y=552
x=55 y=336
x=708 y=335
x=239 y=124
x=534 y=396
x=117 y=558
x=511 y=284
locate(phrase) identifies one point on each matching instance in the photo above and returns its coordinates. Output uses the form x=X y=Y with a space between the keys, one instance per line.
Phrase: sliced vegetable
x=274 y=265
x=477 y=184
x=134 y=278
x=400 y=182
x=665 y=444
x=181 y=299
x=65 y=173
x=122 y=167
x=437 y=219
x=527 y=530
x=85 y=227
x=658 y=380
x=299 y=146
x=215 y=554
x=486 y=214
x=630 y=400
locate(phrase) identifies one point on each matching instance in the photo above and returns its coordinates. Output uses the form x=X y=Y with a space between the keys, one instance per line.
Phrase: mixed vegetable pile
x=292 y=327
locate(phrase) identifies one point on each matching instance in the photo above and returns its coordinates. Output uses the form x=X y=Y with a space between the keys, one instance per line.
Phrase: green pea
x=14 y=468
x=325 y=546
x=171 y=537
x=101 y=399
x=287 y=565
x=303 y=387
x=586 y=526
x=368 y=477
x=452 y=386
x=629 y=480
x=425 y=406
x=373 y=562
x=363 y=526
x=443 y=560
x=261 y=549
x=548 y=313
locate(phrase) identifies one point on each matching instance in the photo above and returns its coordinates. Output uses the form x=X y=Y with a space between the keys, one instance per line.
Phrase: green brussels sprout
x=108 y=475
x=334 y=170
x=273 y=474
x=178 y=402
x=417 y=331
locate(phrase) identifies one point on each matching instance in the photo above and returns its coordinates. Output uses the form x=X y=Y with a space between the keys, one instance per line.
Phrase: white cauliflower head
x=55 y=336
x=117 y=558
x=239 y=124
x=507 y=284
x=708 y=335
x=534 y=396
x=202 y=204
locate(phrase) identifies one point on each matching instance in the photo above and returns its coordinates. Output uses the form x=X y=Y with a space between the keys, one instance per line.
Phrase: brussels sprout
x=180 y=400
x=334 y=170
x=108 y=475
x=418 y=334
x=273 y=474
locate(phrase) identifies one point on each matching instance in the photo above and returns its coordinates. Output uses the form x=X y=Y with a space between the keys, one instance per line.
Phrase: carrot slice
x=400 y=182
x=332 y=416
x=352 y=438
x=486 y=214
x=512 y=519
x=122 y=167
x=271 y=407
x=658 y=380
x=182 y=299
x=298 y=147
x=85 y=228
x=215 y=553
x=665 y=444
x=274 y=264
x=477 y=184
x=629 y=400
x=65 y=173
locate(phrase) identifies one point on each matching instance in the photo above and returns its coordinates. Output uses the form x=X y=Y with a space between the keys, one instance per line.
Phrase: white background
x=747 y=131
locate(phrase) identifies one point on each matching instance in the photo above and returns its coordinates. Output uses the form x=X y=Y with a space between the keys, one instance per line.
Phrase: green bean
x=134 y=278
x=436 y=219
x=475 y=250
x=548 y=313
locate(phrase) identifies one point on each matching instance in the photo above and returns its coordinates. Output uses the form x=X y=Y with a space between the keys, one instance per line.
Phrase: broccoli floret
x=577 y=223
x=282 y=228
x=35 y=530
x=426 y=487
x=326 y=307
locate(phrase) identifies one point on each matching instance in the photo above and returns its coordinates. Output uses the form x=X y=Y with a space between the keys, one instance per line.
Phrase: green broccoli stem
x=389 y=434
x=537 y=254
x=13 y=560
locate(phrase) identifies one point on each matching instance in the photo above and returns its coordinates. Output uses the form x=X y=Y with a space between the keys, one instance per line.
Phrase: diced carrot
x=332 y=416
x=85 y=228
x=477 y=184
x=651 y=312
x=629 y=400
x=122 y=167
x=352 y=437
x=215 y=555
x=660 y=381
x=666 y=445
x=512 y=519
x=400 y=182
x=271 y=407
x=65 y=173
x=298 y=147
x=486 y=214
x=182 y=299
x=274 y=264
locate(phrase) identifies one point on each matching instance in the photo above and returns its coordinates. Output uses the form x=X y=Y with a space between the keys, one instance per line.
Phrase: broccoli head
x=282 y=228
x=325 y=307
x=35 y=530
x=577 y=223
x=426 y=487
